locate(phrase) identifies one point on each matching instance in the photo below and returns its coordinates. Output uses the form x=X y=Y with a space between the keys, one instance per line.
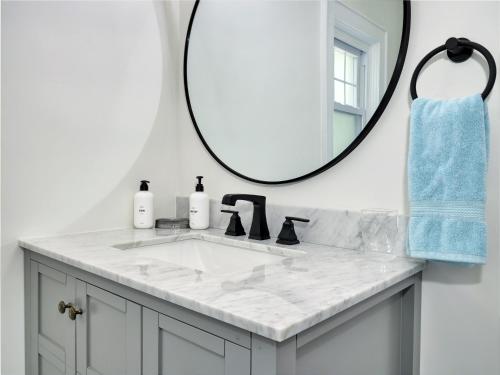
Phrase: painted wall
x=461 y=306
x=88 y=93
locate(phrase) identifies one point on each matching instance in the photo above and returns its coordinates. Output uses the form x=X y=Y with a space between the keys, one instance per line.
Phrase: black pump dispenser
x=144 y=185
x=199 y=185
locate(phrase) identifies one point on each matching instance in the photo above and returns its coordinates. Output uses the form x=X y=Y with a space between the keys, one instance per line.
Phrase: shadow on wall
x=455 y=274
x=157 y=156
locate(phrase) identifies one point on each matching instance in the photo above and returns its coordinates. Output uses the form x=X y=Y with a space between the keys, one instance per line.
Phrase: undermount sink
x=210 y=257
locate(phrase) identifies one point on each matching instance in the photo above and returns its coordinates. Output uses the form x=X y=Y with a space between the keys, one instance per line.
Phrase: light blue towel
x=447 y=165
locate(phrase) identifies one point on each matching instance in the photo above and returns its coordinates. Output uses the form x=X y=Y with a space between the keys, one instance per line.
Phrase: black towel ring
x=458 y=50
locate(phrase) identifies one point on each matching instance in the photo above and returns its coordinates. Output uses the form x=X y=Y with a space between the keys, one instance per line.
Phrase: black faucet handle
x=235 y=228
x=287 y=235
x=293 y=218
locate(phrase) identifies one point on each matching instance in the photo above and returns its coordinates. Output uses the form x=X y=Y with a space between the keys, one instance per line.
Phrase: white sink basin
x=207 y=256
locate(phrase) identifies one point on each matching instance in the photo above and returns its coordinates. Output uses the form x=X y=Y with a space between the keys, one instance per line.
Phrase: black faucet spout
x=259 y=229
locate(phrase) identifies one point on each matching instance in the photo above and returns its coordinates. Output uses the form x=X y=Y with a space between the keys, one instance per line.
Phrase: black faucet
x=259 y=229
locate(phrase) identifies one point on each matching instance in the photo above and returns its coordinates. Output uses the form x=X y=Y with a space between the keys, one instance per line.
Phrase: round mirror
x=281 y=90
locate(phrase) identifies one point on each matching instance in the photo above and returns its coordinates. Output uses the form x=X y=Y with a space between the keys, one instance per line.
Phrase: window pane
x=350 y=95
x=339 y=63
x=339 y=92
x=351 y=65
x=356 y=70
x=345 y=129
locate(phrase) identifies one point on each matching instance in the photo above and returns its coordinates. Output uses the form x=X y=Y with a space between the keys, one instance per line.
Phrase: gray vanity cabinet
x=175 y=348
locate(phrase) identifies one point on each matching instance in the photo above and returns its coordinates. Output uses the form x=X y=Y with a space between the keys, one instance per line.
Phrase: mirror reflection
x=280 y=88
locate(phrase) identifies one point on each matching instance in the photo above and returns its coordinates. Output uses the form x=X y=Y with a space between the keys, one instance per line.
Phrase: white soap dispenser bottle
x=143 y=207
x=199 y=207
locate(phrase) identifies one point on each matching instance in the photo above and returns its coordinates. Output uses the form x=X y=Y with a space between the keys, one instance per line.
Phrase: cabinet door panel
x=108 y=333
x=176 y=348
x=46 y=367
x=52 y=333
x=369 y=343
x=180 y=356
x=237 y=360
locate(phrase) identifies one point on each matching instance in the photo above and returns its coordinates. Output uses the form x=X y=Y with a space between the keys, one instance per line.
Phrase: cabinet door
x=171 y=347
x=52 y=333
x=108 y=333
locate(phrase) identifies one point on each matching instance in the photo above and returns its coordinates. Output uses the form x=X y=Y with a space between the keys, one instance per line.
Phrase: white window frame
x=353 y=29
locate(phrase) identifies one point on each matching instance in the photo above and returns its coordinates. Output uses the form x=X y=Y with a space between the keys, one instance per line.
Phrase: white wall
x=89 y=98
x=461 y=306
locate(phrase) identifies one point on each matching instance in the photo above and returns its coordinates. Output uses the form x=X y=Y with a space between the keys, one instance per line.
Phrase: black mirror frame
x=405 y=36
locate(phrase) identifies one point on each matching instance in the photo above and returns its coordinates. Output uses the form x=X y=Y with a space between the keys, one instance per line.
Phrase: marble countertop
x=276 y=301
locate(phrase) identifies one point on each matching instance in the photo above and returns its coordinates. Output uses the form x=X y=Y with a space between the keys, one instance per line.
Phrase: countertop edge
x=273 y=333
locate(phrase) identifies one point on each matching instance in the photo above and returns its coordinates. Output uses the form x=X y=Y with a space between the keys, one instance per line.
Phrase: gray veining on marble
x=338 y=228
x=276 y=301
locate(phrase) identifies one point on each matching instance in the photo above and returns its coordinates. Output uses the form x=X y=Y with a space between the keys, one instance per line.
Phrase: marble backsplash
x=338 y=228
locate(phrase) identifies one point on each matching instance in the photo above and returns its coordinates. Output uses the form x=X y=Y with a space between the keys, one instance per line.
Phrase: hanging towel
x=447 y=165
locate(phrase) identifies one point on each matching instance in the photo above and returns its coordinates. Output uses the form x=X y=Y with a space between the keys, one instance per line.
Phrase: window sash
x=358 y=86
x=348 y=109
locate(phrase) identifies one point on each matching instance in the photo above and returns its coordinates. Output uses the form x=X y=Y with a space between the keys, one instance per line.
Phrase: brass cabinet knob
x=74 y=311
x=62 y=306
